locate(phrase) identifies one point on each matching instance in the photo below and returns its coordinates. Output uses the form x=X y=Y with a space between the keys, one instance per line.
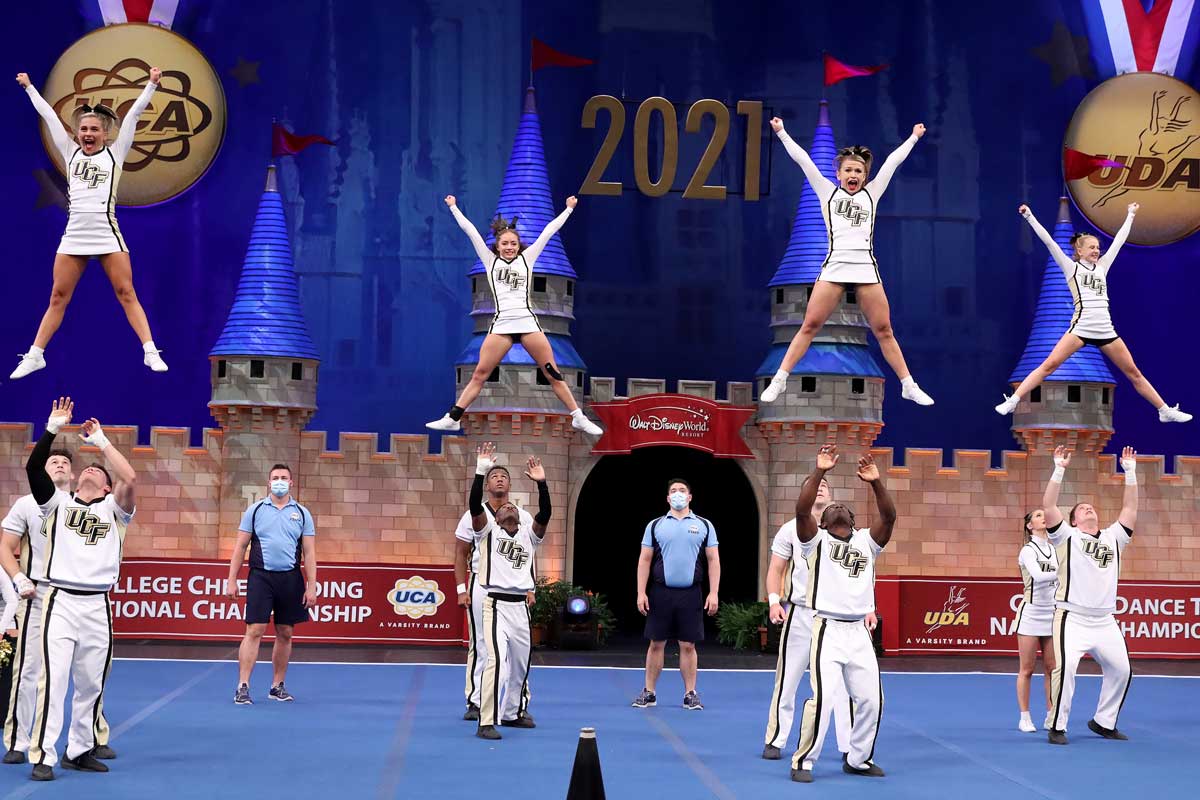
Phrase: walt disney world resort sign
x=679 y=420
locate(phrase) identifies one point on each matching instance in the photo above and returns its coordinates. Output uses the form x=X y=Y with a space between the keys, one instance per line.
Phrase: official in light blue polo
x=677 y=550
x=281 y=537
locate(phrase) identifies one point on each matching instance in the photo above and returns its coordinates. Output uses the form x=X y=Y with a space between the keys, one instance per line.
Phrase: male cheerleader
x=84 y=530
x=1089 y=563
x=841 y=592
x=507 y=549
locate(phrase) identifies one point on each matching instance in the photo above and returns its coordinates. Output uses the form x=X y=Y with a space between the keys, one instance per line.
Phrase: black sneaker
x=802 y=775
x=104 y=752
x=691 y=701
x=771 y=753
x=14 y=757
x=523 y=720
x=472 y=713
x=279 y=693
x=1056 y=737
x=488 y=732
x=84 y=762
x=1107 y=733
x=646 y=699
x=42 y=772
x=242 y=696
x=869 y=771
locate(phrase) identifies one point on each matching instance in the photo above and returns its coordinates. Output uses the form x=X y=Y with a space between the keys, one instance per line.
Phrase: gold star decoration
x=1068 y=56
x=245 y=72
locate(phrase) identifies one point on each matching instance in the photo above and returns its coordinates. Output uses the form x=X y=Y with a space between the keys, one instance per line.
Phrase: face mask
x=678 y=500
x=280 y=488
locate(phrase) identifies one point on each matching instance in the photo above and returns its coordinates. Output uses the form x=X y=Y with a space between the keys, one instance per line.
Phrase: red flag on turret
x=546 y=56
x=837 y=71
x=1078 y=165
x=286 y=143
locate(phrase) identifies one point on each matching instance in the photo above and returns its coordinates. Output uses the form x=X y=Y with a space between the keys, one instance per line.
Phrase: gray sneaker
x=279 y=693
x=691 y=701
x=646 y=699
x=242 y=696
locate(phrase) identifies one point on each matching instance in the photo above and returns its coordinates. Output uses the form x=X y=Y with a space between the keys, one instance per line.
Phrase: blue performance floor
x=393 y=730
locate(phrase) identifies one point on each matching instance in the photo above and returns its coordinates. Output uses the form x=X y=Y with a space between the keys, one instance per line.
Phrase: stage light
x=577 y=608
x=577 y=627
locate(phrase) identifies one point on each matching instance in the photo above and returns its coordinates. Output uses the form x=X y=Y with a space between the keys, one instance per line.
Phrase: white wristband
x=482 y=467
x=773 y=599
x=98 y=439
x=53 y=425
x=1131 y=478
x=1057 y=475
x=462 y=588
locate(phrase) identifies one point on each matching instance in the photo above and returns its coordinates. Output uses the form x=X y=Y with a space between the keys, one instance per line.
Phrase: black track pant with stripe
x=1099 y=636
x=506 y=630
x=841 y=652
x=76 y=644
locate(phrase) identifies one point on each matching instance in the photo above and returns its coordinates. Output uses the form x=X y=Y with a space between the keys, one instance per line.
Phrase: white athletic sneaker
x=914 y=393
x=772 y=392
x=1008 y=406
x=444 y=424
x=32 y=362
x=1168 y=414
x=581 y=423
x=1026 y=725
x=154 y=361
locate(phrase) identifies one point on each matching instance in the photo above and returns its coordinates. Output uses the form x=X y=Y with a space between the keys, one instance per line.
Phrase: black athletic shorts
x=281 y=593
x=1096 y=342
x=675 y=613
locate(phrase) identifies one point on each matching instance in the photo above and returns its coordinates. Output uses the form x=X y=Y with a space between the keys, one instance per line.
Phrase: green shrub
x=738 y=623
x=550 y=597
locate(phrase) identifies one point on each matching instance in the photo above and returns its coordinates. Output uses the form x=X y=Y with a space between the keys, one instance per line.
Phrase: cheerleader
x=849 y=209
x=93 y=167
x=1087 y=276
x=1039 y=575
x=509 y=266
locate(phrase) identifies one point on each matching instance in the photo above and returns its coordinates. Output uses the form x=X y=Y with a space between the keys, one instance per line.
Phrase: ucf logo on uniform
x=86 y=524
x=90 y=174
x=850 y=558
x=513 y=551
x=1100 y=552
x=510 y=277
x=1093 y=282
x=850 y=210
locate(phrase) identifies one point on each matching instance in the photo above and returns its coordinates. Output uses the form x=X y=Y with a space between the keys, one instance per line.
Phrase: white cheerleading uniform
x=1039 y=576
x=83 y=560
x=1088 y=282
x=506 y=573
x=794 y=649
x=1088 y=569
x=511 y=282
x=477 y=642
x=841 y=592
x=849 y=218
x=92 y=228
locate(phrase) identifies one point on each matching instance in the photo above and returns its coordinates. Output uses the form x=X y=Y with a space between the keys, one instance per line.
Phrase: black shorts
x=1096 y=342
x=281 y=593
x=675 y=614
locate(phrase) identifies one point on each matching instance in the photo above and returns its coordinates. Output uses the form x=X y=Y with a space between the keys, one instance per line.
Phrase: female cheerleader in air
x=509 y=267
x=849 y=210
x=93 y=168
x=1035 y=615
x=1087 y=276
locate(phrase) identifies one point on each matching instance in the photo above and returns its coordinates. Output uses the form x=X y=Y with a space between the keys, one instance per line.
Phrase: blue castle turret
x=838 y=380
x=517 y=385
x=1076 y=401
x=264 y=357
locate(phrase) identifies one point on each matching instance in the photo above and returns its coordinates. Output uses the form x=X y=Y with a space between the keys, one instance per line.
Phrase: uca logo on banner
x=673 y=419
x=416 y=597
x=177 y=137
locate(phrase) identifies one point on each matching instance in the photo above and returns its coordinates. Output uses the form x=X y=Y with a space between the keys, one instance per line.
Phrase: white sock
x=149 y=347
x=34 y=350
x=1025 y=717
x=781 y=375
x=577 y=412
x=1163 y=407
x=908 y=381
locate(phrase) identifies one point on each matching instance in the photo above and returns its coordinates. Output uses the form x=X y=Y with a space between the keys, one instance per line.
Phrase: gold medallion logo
x=177 y=137
x=1151 y=123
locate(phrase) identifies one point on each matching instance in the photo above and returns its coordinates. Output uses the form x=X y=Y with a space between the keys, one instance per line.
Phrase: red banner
x=356 y=603
x=673 y=419
x=977 y=616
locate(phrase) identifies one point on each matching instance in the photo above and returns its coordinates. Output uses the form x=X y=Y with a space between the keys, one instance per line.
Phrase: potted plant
x=546 y=615
x=738 y=624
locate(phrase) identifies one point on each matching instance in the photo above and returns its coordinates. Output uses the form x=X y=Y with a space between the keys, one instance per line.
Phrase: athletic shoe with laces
x=771 y=753
x=869 y=771
x=84 y=762
x=523 y=720
x=1026 y=726
x=488 y=732
x=1008 y=406
x=916 y=394
x=30 y=362
x=444 y=424
x=1056 y=737
x=581 y=423
x=646 y=699
x=14 y=757
x=472 y=713
x=1107 y=733
x=279 y=693
x=242 y=696
x=802 y=775
x=691 y=701
x=153 y=360
x=773 y=390
x=1168 y=414
x=103 y=751
x=42 y=772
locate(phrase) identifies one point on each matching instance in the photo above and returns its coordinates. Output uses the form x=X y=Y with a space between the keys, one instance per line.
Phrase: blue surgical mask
x=280 y=488
x=678 y=500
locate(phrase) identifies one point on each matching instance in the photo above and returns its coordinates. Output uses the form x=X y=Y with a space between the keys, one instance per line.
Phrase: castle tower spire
x=1074 y=403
